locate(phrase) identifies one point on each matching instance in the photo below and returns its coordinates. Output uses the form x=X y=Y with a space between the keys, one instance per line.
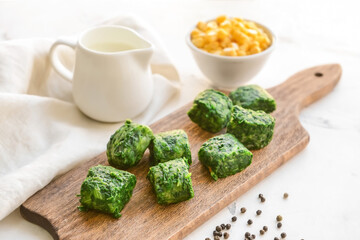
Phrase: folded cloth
x=42 y=132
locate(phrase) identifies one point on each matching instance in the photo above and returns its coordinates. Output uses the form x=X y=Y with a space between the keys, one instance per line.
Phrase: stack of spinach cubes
x=249 y=126
x=171 y=156
x=108 y=189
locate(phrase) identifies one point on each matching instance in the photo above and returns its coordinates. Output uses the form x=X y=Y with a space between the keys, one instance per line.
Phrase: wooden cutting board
x=55 y=206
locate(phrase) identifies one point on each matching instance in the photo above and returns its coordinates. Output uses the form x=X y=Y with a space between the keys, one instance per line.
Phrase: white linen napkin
x=42 y=133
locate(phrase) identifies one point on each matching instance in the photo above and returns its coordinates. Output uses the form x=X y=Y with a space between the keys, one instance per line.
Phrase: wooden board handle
x=307 y=86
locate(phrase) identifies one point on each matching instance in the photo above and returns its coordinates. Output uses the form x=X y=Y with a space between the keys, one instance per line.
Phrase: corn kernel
x=201 y=26
x=198 y=42
x=211 y=46
x=241 y=26
x=234 y=45
x=196 y=32
x=221 y=18
x=255 y=50
x=210 y=37
x=229 y=52
x=244 y=47
x=238 y=19
x=251 y=32
x=217 y=52
x=226 y=42
x=222 y=34
x=240 y=37
x=211 y=26
x=225 y=24
x=240 y=53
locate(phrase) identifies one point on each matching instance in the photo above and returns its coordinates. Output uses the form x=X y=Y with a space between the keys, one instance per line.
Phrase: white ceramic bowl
x=230 y=72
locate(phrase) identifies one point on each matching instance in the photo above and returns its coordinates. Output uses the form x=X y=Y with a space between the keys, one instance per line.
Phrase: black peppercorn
x=243 y=210
x=286 y=195
x=258 y=212
x=218 y=228
x=226 y=235
x=222 y=226
x=216 y=238
x=228 y=226
x=249 y=222
x=262 y=232
x=253 y=236
x=261 y=196
x=279 y=218
x=283 y=235
x=262 y=199
x=279 y=225
x=275 y=238
x=207 y=238
x=234 y=219
x=265 y=228
x=247 y=234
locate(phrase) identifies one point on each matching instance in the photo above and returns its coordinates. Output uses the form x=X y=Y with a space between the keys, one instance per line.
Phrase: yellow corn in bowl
x=230 y=51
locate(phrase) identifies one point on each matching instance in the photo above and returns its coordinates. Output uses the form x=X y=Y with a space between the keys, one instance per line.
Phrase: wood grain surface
x=55 y=206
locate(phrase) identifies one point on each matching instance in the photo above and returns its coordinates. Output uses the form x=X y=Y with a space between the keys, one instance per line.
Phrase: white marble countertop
x=323 y=181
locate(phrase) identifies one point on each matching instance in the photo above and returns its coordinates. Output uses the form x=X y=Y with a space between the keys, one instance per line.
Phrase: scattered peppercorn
x=243 y=210
x=286 y=195
x=207 y=238
x=216 y=238
x=253 y=236
x=226 y=235
x=215 y=233
x=262 y=199
x=218 y=228
x=261 y=196
x=265 y=228
x=283 y=235
x=222 y=226
x=275 y=238
x=234 y=219
x=249 y=222
x=279 y=225
x=262 y=232
x=279 y=218
x=219 y=234
x=258 y=212
x=228 y=226
x=247 y=234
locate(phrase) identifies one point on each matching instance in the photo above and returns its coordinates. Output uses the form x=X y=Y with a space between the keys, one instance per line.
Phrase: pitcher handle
x=55 y=61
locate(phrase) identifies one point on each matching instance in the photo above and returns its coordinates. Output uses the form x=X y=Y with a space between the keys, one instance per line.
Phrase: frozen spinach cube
x=106 y=189
x=253 y=97
x=254 y=129
x=170 y=145
x=211 y=110
x=224 y=155
x=171 y=181
x=127 y=145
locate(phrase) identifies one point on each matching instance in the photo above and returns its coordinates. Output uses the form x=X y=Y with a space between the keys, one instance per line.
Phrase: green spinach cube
x=127 y=145
x=106 y=189
x=170 y=145
x=224 y=155
x=254 y=129
x=211 y=110
x=171 y=181
x=253 y=97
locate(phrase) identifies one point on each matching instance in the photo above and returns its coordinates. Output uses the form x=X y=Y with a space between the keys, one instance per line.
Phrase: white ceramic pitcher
x=112 y=78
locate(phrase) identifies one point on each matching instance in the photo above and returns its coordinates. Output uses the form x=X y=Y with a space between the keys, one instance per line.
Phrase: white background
x=324 y=180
